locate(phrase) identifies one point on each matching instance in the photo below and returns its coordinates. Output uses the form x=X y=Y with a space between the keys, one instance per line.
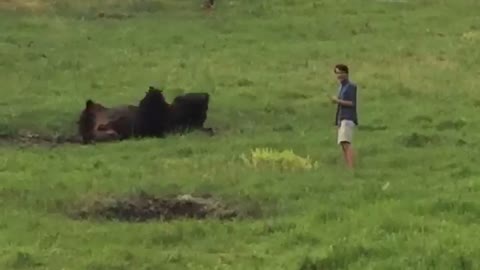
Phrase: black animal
x=153 y=114
x=153 y=117
x=187 y=112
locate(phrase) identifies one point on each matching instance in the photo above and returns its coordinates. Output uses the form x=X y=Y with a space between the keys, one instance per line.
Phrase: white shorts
x=345 y=131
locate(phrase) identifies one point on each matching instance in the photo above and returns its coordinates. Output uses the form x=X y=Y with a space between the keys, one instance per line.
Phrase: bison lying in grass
x=153 y=117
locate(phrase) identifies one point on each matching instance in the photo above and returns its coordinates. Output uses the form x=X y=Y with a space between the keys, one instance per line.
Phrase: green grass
x=413 y=202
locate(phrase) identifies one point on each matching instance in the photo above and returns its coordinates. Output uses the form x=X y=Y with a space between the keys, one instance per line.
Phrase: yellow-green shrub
x=285 y=160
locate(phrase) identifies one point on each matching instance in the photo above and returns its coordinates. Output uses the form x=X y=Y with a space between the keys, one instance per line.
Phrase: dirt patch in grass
x=27 y=138
x=144 y=207
x=114 y=16
x=36 y=6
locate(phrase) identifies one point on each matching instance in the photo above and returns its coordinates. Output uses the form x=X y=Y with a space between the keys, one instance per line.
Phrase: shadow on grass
x=372 y=128
x=462 y=211
x=419 y=140
x=340 y=257
x=24 y=260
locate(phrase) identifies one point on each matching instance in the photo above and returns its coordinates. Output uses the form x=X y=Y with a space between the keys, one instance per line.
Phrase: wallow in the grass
x=153 y=117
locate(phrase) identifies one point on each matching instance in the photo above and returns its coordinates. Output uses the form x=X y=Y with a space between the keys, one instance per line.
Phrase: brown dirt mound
x=144 y=207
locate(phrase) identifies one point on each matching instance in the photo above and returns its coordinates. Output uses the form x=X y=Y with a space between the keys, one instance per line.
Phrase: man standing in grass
x=346 y=116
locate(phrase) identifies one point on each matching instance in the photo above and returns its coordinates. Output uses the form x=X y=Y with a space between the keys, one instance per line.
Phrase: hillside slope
x=412 y=203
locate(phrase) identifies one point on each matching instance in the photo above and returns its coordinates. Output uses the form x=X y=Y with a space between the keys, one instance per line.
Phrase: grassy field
x=412 y=203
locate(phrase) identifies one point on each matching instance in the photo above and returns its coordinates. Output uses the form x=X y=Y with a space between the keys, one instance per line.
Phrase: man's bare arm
x=345 y=102
x=342 y=102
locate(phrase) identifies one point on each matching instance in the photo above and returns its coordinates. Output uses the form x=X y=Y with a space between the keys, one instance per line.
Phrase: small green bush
x=285 y=160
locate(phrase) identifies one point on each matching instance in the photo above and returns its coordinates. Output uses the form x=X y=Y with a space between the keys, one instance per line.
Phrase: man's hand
x=334 y=99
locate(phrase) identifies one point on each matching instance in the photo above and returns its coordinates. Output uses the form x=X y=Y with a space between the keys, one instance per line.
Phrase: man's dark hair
x=342 y=68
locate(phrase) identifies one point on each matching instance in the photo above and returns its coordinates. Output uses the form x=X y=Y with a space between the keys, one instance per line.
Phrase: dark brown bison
x=153 y=117
x=99 y=123
x=187 y=112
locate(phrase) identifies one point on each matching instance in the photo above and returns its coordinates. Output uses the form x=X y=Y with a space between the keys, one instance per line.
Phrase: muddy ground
x=144 y=207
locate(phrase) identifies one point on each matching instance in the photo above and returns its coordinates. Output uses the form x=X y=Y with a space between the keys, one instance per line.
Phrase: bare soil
x=144 y=207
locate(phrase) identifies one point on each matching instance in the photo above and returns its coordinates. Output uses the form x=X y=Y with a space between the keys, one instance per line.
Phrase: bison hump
x=88 y=103
x=192 y=98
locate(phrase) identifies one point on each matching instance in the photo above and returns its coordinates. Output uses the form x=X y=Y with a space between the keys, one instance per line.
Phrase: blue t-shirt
x=347 y=92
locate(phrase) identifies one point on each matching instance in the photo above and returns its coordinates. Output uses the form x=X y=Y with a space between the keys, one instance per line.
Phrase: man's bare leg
x=348 y=154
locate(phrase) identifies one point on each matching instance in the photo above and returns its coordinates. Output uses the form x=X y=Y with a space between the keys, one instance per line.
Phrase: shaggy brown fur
x=153 y=117
x=189 y=111
x=153 y=114
x=186 y=113
x=99 y=123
